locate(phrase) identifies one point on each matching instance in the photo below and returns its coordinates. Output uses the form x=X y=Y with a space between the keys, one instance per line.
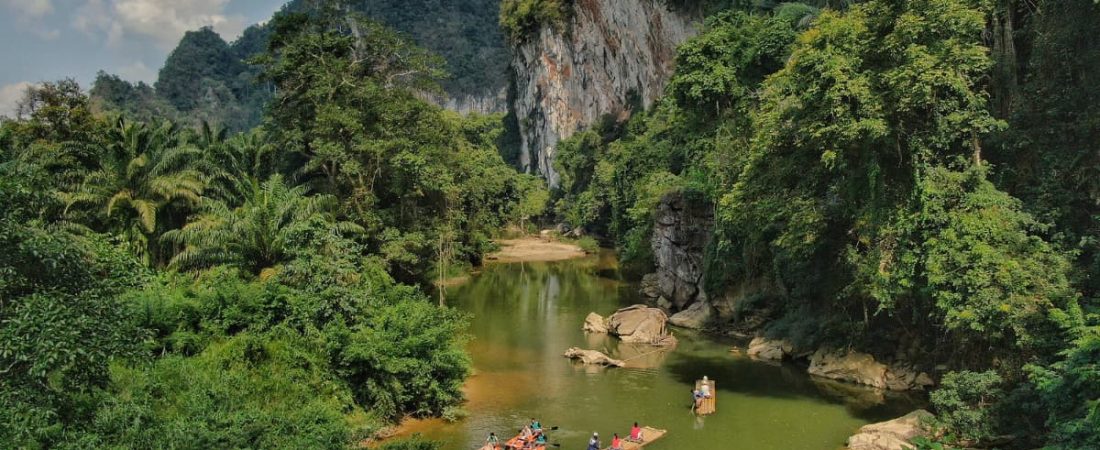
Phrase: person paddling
x=594 y=443
x=696 y=398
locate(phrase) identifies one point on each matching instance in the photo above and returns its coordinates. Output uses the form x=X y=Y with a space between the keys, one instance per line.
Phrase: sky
x=46 y=40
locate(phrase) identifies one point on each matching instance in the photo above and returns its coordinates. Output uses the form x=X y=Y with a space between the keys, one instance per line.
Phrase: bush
x=966 y=404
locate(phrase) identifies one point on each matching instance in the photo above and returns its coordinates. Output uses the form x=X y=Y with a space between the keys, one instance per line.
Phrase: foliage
x=256 y=235
x=965 y=401
x=1070 y=389
x=521 y=18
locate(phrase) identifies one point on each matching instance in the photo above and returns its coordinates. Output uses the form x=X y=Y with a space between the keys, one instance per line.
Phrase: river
x=524 y=315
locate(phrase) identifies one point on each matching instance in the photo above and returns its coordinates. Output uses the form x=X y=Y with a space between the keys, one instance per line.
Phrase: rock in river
x=592 y=357
x=769 y=349
x=848 y=365
x=639 y=324
x=595 y=323
x=895 y=434
x=696 y=317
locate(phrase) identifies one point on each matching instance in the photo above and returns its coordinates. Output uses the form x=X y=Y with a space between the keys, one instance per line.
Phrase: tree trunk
x=1005 y=74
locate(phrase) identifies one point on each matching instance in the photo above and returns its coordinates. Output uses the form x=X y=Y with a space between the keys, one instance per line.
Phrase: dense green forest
x=237 y=256
x=163 y=286
x=911 y=177
x=206 y=79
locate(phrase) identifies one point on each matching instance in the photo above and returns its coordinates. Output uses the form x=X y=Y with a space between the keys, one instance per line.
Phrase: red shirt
x=635 y=433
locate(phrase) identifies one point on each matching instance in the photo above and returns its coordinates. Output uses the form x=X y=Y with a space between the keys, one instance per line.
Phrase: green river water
x=524 y=315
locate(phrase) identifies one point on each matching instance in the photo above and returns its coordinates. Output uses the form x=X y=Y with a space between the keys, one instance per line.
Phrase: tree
x=257 y=235
x=146 y=181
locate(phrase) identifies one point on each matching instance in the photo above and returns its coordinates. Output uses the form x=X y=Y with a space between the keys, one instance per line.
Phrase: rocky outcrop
x=896 y=434
x=861 y=368
x=595 y=323
x=696 y=317
x=610 y=53
x=769 y=349
x=640 y=324
x=680 y=235
x=592 y=357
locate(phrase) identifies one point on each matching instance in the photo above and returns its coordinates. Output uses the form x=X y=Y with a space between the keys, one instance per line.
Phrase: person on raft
x=705 y=389
x=526 y=433
x=492 y=441
x=541 y=440
x=536 y=425
x=616 y=443
x=594 y=443
x=697 y=399
x=635 y=433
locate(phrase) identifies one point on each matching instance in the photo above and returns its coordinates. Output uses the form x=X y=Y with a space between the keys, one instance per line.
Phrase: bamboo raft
x=649 y=434
x=709 y=405
x=519 y=443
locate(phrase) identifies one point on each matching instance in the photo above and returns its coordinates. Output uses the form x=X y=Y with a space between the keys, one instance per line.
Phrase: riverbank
x=532 y=248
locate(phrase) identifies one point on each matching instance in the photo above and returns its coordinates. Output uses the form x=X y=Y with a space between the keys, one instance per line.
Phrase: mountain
x=207 y=78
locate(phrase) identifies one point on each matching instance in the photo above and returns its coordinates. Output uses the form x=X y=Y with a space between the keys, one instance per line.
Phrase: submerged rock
x=895 y=434
x=595 y=323
x=640 y=324
x=696 y=317
x=769 y=349
x=592 y=357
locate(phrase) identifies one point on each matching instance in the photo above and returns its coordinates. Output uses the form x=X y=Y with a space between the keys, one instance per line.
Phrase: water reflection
x=526 y=315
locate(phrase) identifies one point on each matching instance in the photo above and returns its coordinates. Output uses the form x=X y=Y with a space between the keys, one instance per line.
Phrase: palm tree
x=234 y=163
x=259 y=234
x=146 y=183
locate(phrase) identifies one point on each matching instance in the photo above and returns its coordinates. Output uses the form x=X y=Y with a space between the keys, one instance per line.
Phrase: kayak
x=649 y=434
x=710 y=405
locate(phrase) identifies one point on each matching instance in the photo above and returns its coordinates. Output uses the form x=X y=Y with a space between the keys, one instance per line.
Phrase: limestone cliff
x=610 y=53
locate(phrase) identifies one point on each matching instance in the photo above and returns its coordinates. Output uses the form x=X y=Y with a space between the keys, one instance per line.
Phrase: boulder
x=903 y=377
x=769 y=349
x=595 y=323
x=664 y=303
x=695 y=317
x=639 y=324
x=850 y=366
x=592 y=357
x=895 y=434
x=650 y=287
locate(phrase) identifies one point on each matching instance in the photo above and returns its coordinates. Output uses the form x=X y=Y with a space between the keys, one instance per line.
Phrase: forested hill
x=208 y=79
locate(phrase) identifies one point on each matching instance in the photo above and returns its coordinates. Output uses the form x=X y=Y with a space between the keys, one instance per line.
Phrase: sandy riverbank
x=528 y=249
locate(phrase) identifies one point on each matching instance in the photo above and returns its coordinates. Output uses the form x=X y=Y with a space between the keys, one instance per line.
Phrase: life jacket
x=616 y=443
x=635 y=433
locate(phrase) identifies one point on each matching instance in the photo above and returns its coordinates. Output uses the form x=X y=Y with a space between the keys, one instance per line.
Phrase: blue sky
x=42 y=40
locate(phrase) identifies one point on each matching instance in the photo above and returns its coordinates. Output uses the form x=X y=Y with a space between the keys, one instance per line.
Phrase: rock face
x=696 y=317
x=895 y=434
x=680 y=235
x=639 y=324
x=769 y=349
x=592 y=357
x=611 y=52
x=862 y=368
x=595 y=323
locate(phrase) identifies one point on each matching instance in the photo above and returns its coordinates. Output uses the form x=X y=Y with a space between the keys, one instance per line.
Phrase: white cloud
x=29 y=8
x=10 y=95
x=164 y=21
